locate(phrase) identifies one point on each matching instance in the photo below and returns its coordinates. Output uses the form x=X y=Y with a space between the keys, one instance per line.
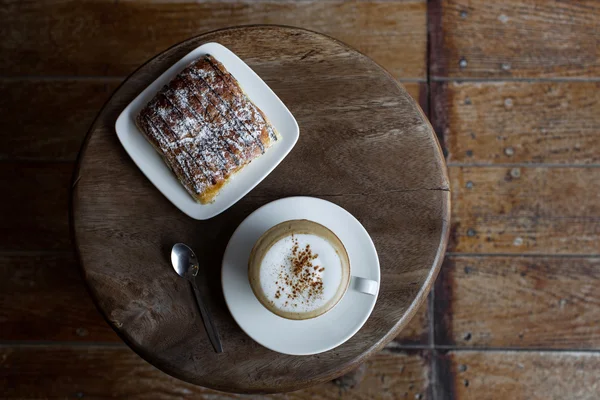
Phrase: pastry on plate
x=205 y=127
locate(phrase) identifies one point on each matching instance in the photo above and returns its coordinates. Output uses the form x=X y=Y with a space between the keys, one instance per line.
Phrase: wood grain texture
x=515 y=39
x=37 y=193
x=418 y=91
x=521 y=375
x=52 y=117
x=418 y=329
x=113 y=38
x=519 y=302
x=519 y=122
x=107 y=372
x=525 y=210
x=43 y=298
x=35 y=211
x=116 y=207
x=48 y=119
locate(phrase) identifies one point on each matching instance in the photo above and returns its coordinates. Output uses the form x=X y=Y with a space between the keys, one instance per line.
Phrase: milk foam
x=277 y=264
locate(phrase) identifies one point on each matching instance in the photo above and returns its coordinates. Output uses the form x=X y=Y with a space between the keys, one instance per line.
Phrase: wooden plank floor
x=511 y=87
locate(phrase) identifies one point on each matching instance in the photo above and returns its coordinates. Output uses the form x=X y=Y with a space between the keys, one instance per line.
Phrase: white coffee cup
x=299 y=269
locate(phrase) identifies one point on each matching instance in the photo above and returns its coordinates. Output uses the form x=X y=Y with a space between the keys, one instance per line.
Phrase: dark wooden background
x=512 y=89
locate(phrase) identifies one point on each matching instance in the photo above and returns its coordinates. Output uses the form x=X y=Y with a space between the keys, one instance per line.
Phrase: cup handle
x=364 y=285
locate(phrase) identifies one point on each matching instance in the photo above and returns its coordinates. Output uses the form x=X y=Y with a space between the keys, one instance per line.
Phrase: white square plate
x=155 y=169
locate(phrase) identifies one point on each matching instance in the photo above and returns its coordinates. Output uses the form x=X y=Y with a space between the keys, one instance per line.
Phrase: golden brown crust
x=205 y=127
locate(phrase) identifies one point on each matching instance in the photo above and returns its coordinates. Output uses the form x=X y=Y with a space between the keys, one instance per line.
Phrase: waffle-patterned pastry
x=205 y=127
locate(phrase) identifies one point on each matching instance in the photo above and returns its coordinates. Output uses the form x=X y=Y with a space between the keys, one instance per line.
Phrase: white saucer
x=310 y=336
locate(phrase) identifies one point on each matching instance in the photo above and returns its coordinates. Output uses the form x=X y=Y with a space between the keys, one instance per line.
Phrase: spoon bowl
x=184 y=260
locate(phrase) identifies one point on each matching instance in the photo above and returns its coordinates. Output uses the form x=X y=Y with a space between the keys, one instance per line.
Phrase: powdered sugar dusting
x=180 y=166
x=231 y=82
x=243 y=109
x=204 y=126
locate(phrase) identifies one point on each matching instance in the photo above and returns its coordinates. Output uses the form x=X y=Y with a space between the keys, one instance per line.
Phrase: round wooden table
x=364 y=145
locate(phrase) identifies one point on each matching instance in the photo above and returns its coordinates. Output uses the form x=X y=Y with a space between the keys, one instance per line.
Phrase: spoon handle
x=209 y=325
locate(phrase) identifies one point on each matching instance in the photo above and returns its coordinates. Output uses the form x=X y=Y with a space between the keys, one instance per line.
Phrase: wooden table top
x=511 y=89
x=364 y=145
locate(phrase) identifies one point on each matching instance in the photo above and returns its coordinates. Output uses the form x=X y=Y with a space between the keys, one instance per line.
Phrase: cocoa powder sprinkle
x=303 y=281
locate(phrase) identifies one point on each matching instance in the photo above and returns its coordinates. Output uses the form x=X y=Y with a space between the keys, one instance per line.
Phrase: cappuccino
x=299 y=269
